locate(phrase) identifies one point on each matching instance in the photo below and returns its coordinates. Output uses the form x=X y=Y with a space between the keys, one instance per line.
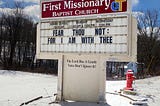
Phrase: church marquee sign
x=105 y=35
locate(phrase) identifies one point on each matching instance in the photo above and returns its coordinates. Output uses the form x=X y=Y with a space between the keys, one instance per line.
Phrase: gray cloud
x=32 y=1
x=33 y=11
x=135 y=2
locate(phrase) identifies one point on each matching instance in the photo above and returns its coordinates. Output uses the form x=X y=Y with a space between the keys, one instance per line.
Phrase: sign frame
x=131 y=55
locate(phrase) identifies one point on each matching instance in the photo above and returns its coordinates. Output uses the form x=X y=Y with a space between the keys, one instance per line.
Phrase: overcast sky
x=32 y=6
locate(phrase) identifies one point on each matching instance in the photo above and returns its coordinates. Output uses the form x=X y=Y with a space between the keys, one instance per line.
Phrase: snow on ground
x=150 y=87
x=19 y=87
x=116 y=100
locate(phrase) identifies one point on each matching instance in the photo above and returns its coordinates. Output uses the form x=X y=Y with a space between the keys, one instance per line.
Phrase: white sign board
x=104 y=35
x=83 y=78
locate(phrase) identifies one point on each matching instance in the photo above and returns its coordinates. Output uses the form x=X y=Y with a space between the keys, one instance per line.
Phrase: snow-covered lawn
x=151 y=88
x=19 y=87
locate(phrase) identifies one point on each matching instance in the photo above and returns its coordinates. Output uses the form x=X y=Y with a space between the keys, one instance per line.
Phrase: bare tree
x=1 y=35
x=148 y=40
x=3 y=41
x=19 y=32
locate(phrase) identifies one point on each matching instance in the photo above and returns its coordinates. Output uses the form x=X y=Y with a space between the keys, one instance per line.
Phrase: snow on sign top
x=64 y=8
